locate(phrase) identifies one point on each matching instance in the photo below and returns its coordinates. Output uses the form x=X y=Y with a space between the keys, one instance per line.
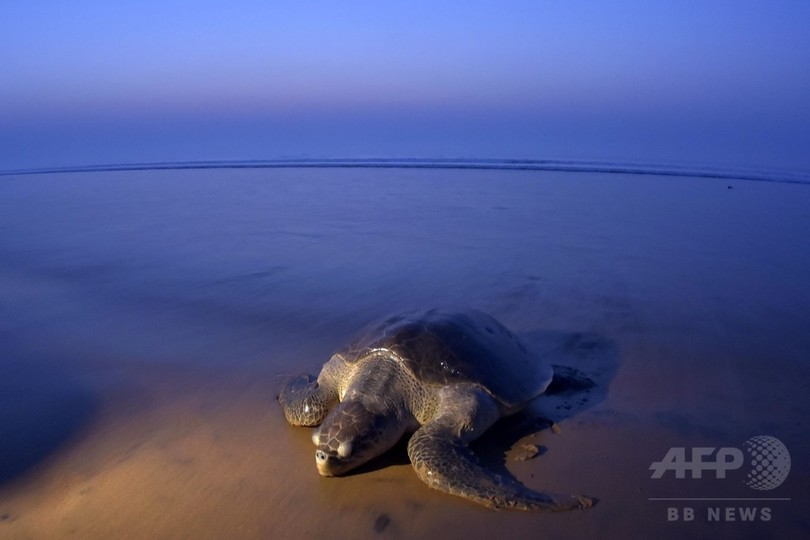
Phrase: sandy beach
x=149 y=318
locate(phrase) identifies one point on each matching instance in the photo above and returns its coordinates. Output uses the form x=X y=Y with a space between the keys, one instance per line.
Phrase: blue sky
x=721 y=82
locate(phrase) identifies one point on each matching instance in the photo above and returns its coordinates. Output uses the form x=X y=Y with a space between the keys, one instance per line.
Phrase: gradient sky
x=91 y=82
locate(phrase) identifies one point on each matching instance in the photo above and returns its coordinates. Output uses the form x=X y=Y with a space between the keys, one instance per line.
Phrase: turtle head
x=352 y=434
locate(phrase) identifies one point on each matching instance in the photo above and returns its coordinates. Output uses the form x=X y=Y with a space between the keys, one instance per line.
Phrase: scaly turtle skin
x=446 y=378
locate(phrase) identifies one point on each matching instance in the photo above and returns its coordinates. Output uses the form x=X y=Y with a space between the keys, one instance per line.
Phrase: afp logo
x=768 y=462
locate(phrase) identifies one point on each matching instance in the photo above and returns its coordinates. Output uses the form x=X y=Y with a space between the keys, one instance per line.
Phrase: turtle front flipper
x=439 y=454
x=306 y=402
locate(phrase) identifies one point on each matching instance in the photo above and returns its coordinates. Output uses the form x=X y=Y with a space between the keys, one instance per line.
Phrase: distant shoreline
x=790 y=177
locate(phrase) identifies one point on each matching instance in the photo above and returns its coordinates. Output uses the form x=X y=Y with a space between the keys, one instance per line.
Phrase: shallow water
x=149 y=317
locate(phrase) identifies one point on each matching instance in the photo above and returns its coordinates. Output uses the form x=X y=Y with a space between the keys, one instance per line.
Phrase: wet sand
x=147 y=324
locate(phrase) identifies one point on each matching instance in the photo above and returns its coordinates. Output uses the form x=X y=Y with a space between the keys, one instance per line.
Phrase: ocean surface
x=242 y=277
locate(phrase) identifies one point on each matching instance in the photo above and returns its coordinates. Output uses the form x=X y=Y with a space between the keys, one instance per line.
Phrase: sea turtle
x=446 y=378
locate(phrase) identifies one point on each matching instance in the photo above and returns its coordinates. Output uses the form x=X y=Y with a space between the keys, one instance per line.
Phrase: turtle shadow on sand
x=584 y=365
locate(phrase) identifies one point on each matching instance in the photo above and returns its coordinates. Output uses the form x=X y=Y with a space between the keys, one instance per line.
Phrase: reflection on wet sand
x=42 y=408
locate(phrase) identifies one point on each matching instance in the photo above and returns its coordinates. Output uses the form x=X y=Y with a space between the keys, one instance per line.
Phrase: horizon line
x=550 y=165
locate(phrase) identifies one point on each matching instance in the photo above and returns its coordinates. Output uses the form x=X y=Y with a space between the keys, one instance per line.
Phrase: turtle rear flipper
x=439 y=453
